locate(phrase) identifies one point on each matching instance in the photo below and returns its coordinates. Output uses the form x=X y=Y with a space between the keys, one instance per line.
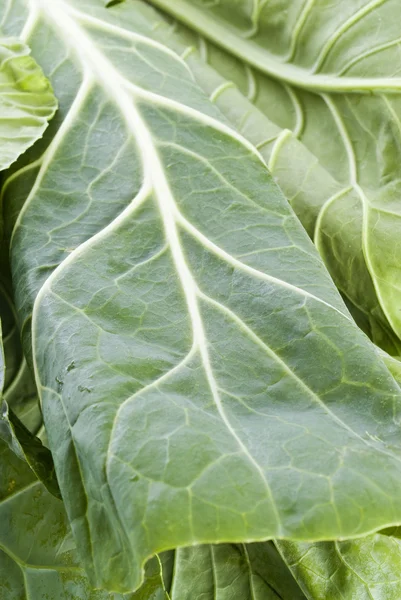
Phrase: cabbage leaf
x=201 y=379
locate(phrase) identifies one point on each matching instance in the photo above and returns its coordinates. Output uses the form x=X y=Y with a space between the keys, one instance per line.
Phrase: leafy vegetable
x=27 y=104
x=367 y=567
x=203 y=385
x=177 y=303
x=323 y=75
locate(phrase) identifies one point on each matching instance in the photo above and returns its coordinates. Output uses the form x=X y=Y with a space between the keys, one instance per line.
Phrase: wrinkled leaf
x=323 y=74
x=201 y=378
x=360 y=569
x=368 y=567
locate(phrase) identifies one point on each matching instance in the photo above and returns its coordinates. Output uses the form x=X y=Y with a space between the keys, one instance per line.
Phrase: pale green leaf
x=27 y=102
x=201 y=378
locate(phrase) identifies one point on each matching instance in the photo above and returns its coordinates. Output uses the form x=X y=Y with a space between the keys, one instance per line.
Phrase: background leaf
x=28 y=447
x=363 y=569
x=19 y=389
x=223 y=572
x=38 y=558
x=27 y=101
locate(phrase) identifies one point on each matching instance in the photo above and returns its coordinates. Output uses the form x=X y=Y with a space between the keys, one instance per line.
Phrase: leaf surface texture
x=320 y=74
x=201 y=379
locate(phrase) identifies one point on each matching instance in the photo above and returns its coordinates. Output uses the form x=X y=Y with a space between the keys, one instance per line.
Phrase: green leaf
x=28 y=447
x=19 y=390
x=255 y=571
x=111 y=3
x=364 y=569
x=12 y=430
x=223 y=572
x=322 y=75
x=38 y=557
x=27 y=102
x=201 y=379
x=360 y=569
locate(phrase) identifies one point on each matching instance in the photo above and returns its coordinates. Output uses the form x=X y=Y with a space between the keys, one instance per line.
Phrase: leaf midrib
x=154 y=180
x=111 y=81
x=248 y=51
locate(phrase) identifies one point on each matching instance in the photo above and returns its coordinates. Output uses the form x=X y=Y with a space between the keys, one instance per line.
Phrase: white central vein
x=125 y=96
x=216 y=30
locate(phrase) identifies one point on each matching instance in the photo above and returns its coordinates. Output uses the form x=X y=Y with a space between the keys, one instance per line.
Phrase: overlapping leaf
x=27 y=101
x=364 y=569
x=367 y=567
x=201 y=379
x=13 y=432
x=19 y=388
x=249 y=572
x=323 y=74
x=38 y=557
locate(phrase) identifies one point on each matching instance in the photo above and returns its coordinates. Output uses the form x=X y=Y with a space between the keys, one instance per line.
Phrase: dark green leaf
x=38 y=557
